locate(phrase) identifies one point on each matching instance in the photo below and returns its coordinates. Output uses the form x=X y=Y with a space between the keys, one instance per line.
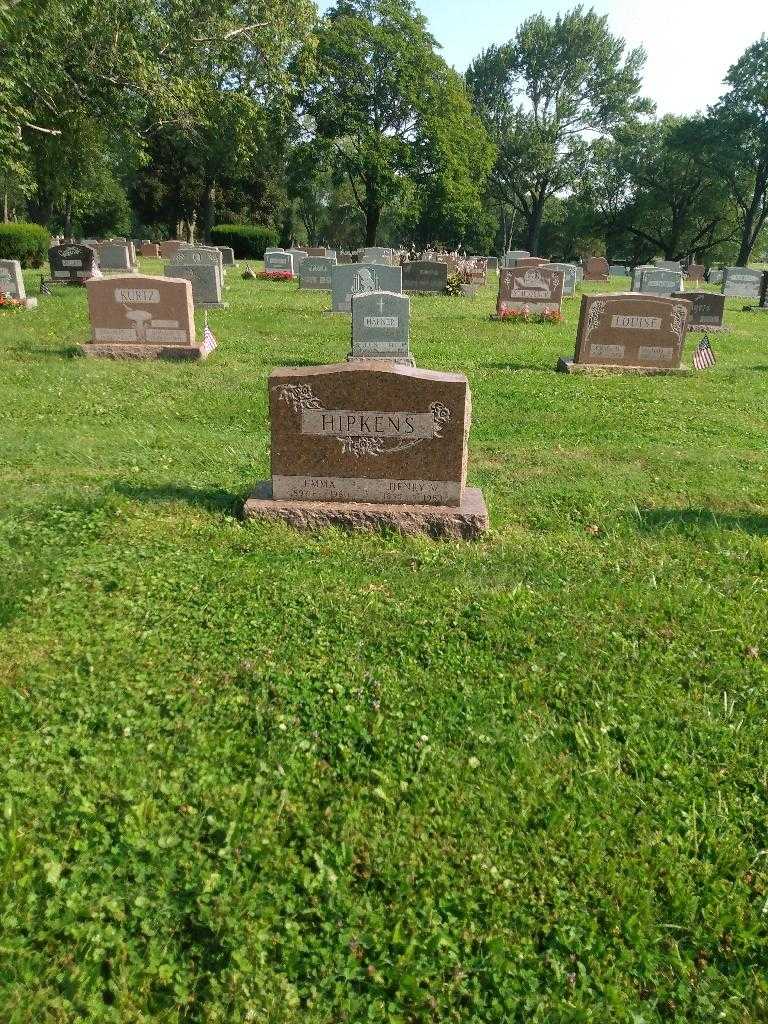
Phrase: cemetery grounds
x=249 y=774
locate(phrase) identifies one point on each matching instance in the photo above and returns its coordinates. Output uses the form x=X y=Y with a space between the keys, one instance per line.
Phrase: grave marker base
x=403 y=361
x=123 y=350
x=467 y=521
x=569 y=366
x=708 y=329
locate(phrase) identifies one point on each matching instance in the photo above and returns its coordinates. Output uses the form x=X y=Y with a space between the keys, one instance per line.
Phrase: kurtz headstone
x=142 y=317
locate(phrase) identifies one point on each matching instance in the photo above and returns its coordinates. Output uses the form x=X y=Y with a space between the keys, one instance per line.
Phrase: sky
x=690 y=43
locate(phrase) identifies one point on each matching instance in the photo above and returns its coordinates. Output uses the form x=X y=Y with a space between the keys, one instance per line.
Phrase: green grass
x=250 y=775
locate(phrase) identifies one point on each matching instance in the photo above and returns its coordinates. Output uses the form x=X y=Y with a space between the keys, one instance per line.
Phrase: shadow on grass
x=293 y=362
x=517 y=366
x=61 y=351
x=211 y=500
x=686 y=519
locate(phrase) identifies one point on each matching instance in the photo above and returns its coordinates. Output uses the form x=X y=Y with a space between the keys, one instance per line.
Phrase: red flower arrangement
x=525 y=316
x=275 y=275
x=6 y=302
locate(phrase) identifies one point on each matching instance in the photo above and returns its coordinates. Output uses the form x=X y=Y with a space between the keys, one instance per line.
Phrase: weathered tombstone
x=205 y=278
x=531 y=289
x=299 y=255
x=637 y=275
x=354 y=278
x=695 y=272
x=715 y=276
x=274 y=248
x=569 y=277
x=742 y=283
x=227 y=255
x=493 y=264
x=381 y=327
x=516 y=254
x=73 y=264
x=579 y=274
x=142 y=317
x=170 y=247
x=427 y=277
x=370 y=445
x=669 y=265
x=194 y=255
x=376 y=254
x=595 y=268
x=617 y=270
x=115 y=257
x=707 y=309
x=317 y=250
x=150 y=251
x=278 y=263
x=659 y=281
x=315 y=273
x=12 y=283
x=625 y=332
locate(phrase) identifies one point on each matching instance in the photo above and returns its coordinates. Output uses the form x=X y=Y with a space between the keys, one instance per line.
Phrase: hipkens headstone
x=315 y=273
x=532 y=289
x=626 y=332
x=425 y=277
x=73 y=264
x=12 y=283
x=142 y=317
x=381 y=327
x=370 y=445
x=353 y=278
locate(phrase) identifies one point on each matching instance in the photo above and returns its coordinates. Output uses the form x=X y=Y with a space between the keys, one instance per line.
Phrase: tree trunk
x=372 y=218
x=533 y=227
x=209 y=208
x=5 y=207
x=754 y=219
x=68 y=217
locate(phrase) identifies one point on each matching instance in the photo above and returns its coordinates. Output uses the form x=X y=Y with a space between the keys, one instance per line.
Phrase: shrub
x=248 y=240
x=27 y=243
x=275 y=275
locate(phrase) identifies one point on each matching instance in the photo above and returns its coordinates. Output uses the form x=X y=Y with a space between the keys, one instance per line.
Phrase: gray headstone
x=661 y=282
x=376 y=254
x=742 y=283
x=353 y=278
x=281 y=262
x=115 y=256
x=11 y=281
x=715 y=277
x=381 y=326
x=298 y=258
x=71 y=262
x=205 y=280
x=315 y=272
x=227 y=255
x=493 y=263
x=708 y=308
x=617 y=270
x=517 y=254
x=675 y=265
x=568 y=271
x=425 y=276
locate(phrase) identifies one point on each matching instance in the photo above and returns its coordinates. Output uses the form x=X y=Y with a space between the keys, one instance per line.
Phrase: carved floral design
x=300 y=396
x=678 y=319
x=596 y=310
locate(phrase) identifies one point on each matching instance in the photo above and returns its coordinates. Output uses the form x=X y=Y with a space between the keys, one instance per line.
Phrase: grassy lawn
x=250 y=775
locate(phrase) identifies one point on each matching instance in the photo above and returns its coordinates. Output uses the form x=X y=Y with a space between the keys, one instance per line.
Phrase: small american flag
x=209 y=341
x=703 y=356
x=45 y=286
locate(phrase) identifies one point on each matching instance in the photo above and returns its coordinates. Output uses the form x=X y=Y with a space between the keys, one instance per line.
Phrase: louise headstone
x=381 y=327
x=742 y=283
x=370 y=445
x=73 y=264
x=707 y=310
x=12 y=283
x=427 y=277
x=142 y=317
x=625 y=332
x=659 y=281
x=532 y=289
x=315 y=273
x=354 y=278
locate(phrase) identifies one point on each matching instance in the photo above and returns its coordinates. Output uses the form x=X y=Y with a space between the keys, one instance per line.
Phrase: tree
x=386 y=103
x=738 y=144
x=541 y=94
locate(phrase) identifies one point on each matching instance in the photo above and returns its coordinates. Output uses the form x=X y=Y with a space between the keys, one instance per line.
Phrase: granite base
x=569 y=366
x=467 y=521
x=120 y=350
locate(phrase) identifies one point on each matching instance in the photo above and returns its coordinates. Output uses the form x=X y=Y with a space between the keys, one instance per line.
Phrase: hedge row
x=248 y=240
x=27 y=243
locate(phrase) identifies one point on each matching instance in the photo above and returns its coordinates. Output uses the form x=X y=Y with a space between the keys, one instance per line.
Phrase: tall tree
x=385 y=101
x=541 y=95
x=738 y=143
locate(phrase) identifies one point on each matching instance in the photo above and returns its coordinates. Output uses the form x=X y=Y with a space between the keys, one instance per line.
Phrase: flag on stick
x=209 y=341
x=703 y=356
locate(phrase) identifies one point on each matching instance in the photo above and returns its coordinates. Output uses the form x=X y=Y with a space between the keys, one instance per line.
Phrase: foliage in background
x=248 y=240
x=27 y=243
